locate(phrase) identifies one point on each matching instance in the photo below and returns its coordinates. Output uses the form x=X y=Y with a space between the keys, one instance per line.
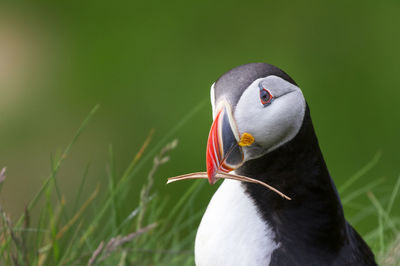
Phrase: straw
x=203 y=175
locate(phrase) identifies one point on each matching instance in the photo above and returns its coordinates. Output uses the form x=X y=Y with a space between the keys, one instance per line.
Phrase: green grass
x=100 y=232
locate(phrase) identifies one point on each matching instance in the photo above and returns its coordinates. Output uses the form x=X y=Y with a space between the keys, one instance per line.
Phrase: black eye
x=265 y=96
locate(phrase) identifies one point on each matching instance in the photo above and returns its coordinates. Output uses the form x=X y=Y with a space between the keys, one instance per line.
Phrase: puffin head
x=256 y=108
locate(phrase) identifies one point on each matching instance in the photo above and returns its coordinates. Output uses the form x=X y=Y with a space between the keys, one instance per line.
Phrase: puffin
x=247 y=224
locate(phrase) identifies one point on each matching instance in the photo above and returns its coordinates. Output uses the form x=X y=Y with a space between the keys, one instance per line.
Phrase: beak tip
x=211 y=176
x=212 y=181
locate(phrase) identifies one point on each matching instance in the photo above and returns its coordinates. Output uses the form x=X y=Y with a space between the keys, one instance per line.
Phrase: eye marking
x=265 y=96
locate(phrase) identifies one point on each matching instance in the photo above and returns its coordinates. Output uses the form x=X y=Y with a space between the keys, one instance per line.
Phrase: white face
x=212 y=96
x=271 y=124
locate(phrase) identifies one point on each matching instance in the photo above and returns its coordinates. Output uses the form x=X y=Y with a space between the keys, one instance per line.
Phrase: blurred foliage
x=148 y=63
x=101 y=232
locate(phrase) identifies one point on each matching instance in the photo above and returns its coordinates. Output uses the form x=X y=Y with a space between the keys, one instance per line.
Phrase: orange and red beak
x=224 y=154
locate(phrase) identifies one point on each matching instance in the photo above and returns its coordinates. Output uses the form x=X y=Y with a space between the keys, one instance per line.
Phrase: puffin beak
x=224 y=146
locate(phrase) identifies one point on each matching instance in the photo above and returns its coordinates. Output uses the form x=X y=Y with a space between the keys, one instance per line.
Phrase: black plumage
x=311 y=228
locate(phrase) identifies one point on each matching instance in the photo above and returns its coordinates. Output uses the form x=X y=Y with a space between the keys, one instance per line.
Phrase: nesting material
x=203 y=175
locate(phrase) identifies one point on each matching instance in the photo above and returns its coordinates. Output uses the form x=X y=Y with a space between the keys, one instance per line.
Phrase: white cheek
x=212 y=97
x=272 y=125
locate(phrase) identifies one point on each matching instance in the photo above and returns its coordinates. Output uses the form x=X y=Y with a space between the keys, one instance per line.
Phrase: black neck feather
x=314 y=218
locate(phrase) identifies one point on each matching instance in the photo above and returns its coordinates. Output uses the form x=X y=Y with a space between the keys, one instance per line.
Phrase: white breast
x=232 y=232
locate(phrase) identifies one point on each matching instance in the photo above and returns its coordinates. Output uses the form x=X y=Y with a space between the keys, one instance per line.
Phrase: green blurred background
x=148 y=63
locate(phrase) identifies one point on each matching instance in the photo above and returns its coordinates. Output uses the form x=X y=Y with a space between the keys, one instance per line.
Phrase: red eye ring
x=265 y=96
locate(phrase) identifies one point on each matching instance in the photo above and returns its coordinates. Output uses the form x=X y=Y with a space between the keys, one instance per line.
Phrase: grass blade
x=360 y=173
x=35 y=199
x=393 y=196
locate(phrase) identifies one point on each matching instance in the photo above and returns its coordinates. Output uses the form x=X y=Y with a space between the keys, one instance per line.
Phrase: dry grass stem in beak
x=203 y=175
